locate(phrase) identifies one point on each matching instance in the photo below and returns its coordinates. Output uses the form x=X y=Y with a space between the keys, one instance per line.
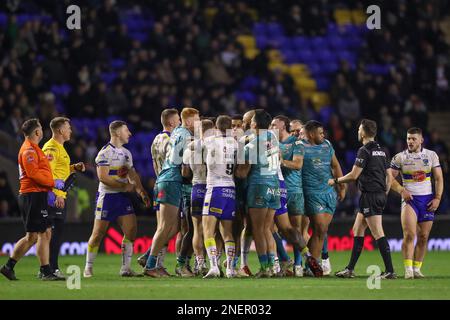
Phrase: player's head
x=223 y=123
x=297 y=129
x=61 y=126
x=280 y=123
x=207 y=128
x=367 y=130
x=237 y=125
x=414 y=139
x=261 y=120
x=188 y=118
x=119 y=130
x=32 y=129
x=247 y=119
x=314 y=131
x=170 y=118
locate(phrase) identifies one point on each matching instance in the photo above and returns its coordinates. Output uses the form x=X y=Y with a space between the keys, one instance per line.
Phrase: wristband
x=336 y=180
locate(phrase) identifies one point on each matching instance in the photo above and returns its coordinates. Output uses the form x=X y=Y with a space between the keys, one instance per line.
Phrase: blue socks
x=325 y=248
x=151 y=262
x=281 y=251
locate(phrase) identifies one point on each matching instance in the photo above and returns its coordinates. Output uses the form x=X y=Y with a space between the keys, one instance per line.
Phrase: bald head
x=247 y=119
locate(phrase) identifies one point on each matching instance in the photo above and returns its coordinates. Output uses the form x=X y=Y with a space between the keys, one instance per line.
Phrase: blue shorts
x=198 y=199
x=169 y=192
x=320 y=203
x=283 y=200
x=295 y=203
x=220 y=202
x=420 y=206
x=110 y=206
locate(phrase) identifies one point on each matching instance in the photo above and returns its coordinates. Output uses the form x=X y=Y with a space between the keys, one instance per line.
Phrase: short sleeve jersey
x=119 y=161
x=372 y=159
x=316 y=169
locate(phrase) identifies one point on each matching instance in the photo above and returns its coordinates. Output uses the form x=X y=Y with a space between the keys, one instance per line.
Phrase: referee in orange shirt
x=36 y=181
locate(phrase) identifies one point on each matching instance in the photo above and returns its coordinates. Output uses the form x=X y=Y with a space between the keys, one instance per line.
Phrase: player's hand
x=59 y=202
x=129 y=187
x=406 y=195
x=331 y=182
x=59 y=184
x=434 y=204
x=145 y=198
x=79 y=167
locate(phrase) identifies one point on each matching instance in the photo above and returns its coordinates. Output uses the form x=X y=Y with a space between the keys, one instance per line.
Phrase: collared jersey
x=316 y=169
x=35 y=174
x=159 y=150
x=119 y=161
x=59 y=162
x=416 y=170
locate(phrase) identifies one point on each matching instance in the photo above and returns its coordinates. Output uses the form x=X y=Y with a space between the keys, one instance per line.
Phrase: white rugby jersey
x=159 y=150
x=119 y=161
x=195 y=158
x=416 y=170
x=221 y=155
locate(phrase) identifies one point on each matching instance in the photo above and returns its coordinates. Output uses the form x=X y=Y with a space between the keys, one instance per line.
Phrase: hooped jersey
x=195 y=157
x=221 y=153
x=119 y=161
x=416 y=170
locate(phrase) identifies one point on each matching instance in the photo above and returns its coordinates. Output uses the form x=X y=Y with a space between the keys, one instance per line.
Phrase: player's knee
x=422 y=238
x=409 y=236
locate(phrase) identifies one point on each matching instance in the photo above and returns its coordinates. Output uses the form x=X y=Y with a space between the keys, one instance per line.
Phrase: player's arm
x=349 y=177
x=336 y=171
x=242 y=169
x=295 y=164
x=438 y=188
x=135 y=180
x=80 y=167
x=186 y=171
x=397 y=187
x=105 y=178
x=31 y=167
x=52 y=155
x=389 y=180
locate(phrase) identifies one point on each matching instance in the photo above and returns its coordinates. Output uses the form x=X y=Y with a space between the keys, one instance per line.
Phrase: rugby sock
x=55 y=242
x=188 y=261
x=297 y=257
x=325 y=248
x=181 y=261
x=11 y=263
x=46 y=270
x=305 y=252
x=151 y=262
x=90 y=256
x=161 y=255
x=246 y=243
x=270 y=260
x=127 y=253
x=230 y=249
x=263 y=261
x=358 y=244
x=210 y=245
x=417 y=265
x=235 y=261
x=385 y=251
x=281 y=251
x=408 y=263
x=200 y=260
x=276 y=265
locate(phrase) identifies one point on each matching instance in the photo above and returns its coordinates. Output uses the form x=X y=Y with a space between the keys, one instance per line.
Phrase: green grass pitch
x=106 y=284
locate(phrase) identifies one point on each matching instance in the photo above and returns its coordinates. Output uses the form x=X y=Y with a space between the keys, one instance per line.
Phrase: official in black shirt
x=371 y=169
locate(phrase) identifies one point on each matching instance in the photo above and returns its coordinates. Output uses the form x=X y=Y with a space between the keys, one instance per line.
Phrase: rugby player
x=371 y=169
x=36 y=181
x=319 y=165
x=194 y=166
x=263 y=195
x=170 y=119
x=117 y=177
x=220 y=198
x=61 y=169
x=417 y=166
x=169 y=184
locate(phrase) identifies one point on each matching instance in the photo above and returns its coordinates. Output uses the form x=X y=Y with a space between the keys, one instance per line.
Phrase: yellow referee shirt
x=59 y=162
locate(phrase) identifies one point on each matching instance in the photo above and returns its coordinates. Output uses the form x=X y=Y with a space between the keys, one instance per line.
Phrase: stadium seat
x=325 y=114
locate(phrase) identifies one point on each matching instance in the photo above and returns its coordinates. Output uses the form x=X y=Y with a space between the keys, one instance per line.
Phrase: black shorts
x=57 y=214
x=33 y=208
x=372 y=204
